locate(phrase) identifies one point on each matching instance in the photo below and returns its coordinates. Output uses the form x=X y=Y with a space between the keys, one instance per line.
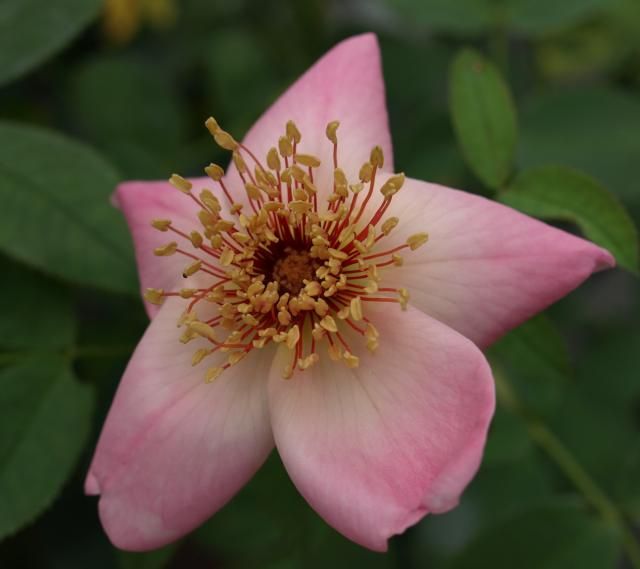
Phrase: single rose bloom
x=311 y=299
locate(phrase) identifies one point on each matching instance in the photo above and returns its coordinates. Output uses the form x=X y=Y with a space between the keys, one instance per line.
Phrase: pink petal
x=173 y=449
x=142 y=202
x=373 y=449
x=486 y=267
x=346 y=84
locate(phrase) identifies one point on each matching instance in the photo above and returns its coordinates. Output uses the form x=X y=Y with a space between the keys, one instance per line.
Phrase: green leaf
x=31 y=31
x=556 y=192
x=231 y=81
x=269 y=524
x=153 y=560
x=537 y=17
x=548 y=537
x=418 y=105
x=141 y=124
x=607 y=146
x=512 y=479
x=599 y=418
x=474 y=17
x=45 y=418
x=464 y=17
x=484 y=117
x=535 y=358
x=56 y=213
x=37 y=313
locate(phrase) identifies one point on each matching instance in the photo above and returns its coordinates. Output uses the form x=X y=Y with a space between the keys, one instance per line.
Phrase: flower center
x=294 y=270
x=282 y=268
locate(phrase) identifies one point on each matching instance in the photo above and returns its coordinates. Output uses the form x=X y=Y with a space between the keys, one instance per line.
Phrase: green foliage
x=56 y=213
x=268 y=522
x=34 y=325
x=594 y=129
x=536 y=360
x=131 y=111
x=31 y=31
x=484 y=117
x=231 y=82
x=458 y=16
x=553 y=536
x=474 y=17
x=555 y=192
x=537 y=17
x=154 y=560
x=599 y=419
x=558 y=485
x=44 y=423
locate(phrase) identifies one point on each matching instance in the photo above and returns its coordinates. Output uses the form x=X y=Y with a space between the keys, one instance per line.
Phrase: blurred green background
x=97 y=91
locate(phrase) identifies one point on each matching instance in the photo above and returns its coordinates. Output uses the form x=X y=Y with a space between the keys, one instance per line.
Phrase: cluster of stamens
x=279 y=269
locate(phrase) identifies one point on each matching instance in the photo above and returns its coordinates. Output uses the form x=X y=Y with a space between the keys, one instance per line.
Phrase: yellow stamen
x=417 y=240
x=166 y=250
x=161 y=224
x=289 y=267
x=331 y=131
x=154 y=295
x=180 y=183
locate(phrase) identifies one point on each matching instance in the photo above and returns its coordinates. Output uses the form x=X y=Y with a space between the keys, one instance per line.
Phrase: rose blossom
x=324 y=305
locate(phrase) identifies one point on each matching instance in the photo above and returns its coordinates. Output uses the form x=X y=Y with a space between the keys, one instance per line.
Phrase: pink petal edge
x=373 y=449
x=173 y=449
x=142 y=202
x=486 y=267
x=345 y=84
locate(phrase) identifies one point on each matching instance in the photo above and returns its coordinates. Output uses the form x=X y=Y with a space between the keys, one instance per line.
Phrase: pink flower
x=385 y=416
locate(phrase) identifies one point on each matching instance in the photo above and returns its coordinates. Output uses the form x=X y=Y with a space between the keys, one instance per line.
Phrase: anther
x=366 y=171
x=293 y=336
x=238 y=160
x=192 y=269
x=331 y=131
x=356 y=309
x=389 y=225
x=180 y=183
x=377 y=157
x=310 y=360
x=225 y=140
x=273 y=160
x=212 y=126
x=161 y=224
x=154 y=295
x=417 y=240
x=329 y=324
x=222 y=137
x=403 y=293
x=292 y=132
x=308 y=160
x=166 y=250
x=213 y=373
x=202 y=329
x=392 y=186
x=285 y=147
x=351 y=360
x=214 y=172
x=199 y=355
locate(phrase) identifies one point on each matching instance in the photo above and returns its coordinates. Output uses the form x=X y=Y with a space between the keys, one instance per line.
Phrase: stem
x=571 y=468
